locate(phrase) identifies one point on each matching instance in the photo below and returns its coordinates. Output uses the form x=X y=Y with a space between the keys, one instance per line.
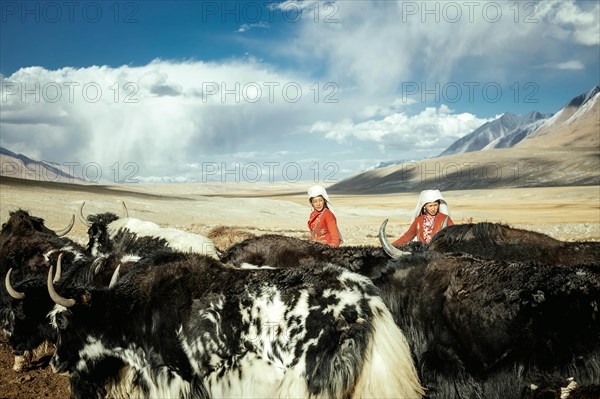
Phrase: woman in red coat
x=431 y=215
x=322 y=222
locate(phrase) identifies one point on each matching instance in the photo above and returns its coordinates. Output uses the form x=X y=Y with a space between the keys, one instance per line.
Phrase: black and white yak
x=198 y=328
x=109 y=233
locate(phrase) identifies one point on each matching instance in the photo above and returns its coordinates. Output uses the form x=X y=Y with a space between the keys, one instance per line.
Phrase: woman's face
x=431 y=208
x=318 y=203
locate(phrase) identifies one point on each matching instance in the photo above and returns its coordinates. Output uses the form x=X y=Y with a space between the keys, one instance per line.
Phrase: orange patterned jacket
x=326 y=230
x=415 y=229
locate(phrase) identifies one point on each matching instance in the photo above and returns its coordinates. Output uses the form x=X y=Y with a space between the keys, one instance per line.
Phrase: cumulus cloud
x=432 y=129
x=155 y=115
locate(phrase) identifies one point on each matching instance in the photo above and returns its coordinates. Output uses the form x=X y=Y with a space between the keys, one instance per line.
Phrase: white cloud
x=247 y=27
x=571 y=22
x=156 y=115
x=377 y=46
x=432 y=129
x=568 y=65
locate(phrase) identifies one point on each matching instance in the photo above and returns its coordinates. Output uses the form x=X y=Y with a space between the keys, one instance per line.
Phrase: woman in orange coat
x=430 y=216
x=322 y=222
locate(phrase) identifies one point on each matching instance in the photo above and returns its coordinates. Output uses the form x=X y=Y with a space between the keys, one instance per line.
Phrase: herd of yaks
x=142 y=311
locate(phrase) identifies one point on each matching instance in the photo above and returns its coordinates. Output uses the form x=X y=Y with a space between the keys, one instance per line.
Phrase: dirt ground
x=566 y=213
x=38 y=382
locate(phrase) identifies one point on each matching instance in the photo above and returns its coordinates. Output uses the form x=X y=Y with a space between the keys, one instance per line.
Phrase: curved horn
x=125 y=209
x=82 y=219
x=11 y=291
x=66 y=229
x=58 y=268
x=115 y=277
x=389 y=249
x=67 y=303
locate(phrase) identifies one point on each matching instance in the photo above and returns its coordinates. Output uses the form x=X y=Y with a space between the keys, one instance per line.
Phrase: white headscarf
x=317 y=190
x=431 y=196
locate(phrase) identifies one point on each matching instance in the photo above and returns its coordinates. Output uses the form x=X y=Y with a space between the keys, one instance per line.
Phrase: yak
x=280 y=251
x=109 y=233
x=196 y=327
x=490 y=328
x=27 y=249
x=502 y=242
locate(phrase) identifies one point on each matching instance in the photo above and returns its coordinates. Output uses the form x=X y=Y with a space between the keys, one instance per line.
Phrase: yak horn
x=125 y=209
x=67 y=303
x=11 y=291
x=389 y=249
x=58 y=268
x=82 y=219
x=115 y=277
x=66 y=229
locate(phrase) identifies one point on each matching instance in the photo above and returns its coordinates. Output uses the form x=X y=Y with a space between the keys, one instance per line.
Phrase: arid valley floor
x=565 y=213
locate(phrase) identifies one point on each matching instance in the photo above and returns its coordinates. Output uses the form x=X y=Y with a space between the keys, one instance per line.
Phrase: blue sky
x=209 y=90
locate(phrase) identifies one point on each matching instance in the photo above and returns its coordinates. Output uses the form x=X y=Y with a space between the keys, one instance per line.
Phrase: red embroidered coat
x=416 y=229
x=326 y=231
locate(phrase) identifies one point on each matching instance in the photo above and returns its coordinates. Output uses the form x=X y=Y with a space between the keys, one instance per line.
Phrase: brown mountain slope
x=498 y=168
x=564 y=151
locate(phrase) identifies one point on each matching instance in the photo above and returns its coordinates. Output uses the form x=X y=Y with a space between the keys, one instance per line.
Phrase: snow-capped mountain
x=529 y=151
x=584 y=98
x=514 y=127
x=571 y=126
x=516 y=136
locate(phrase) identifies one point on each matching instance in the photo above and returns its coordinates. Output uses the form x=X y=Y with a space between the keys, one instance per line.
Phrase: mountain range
x=23 y=167
x=506 y=131
x=512 y=151
x=510 y=129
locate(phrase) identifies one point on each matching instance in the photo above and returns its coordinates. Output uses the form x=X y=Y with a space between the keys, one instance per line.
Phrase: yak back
x=280 y=251
x=501 y=242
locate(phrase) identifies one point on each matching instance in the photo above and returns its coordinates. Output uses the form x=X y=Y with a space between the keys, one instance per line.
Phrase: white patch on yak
x=260 y=378
x=566 y=391
x=93 y=349
x=388 y=370
x=178 y=240
x=77 y=254
x=53 y=314
x=249 y=266
x=130 y=258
